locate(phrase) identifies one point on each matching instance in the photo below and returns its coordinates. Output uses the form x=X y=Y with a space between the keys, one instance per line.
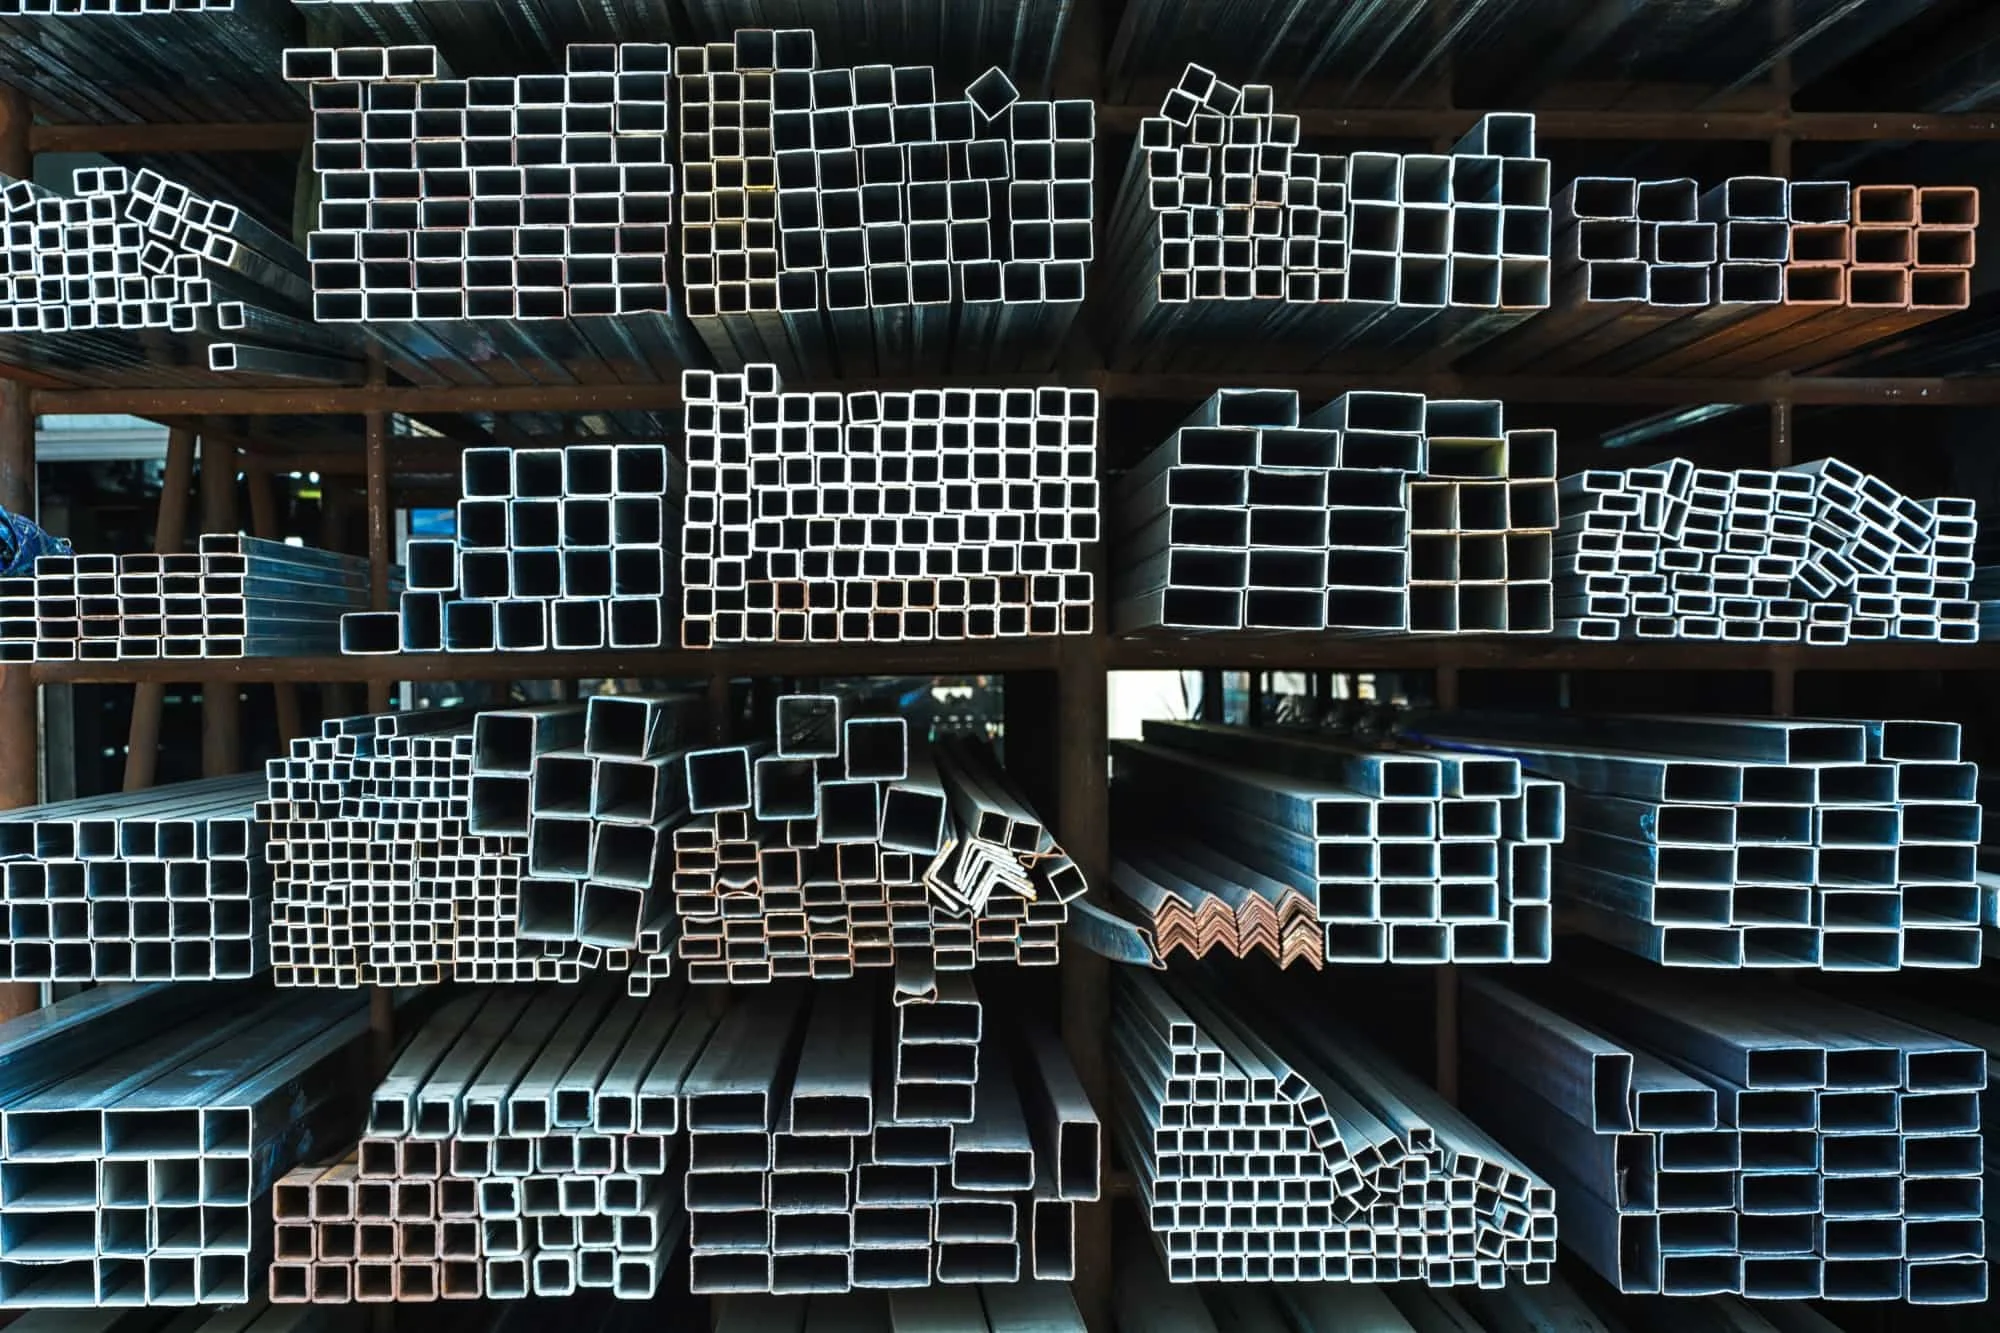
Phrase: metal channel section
x=1723 y=842
x=1821 y=554
x=1270 y=1147
x=1298 y=846
x=1736 y=1137
x=1378 y=513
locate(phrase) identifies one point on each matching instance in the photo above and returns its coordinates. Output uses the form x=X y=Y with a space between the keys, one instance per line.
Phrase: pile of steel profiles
x=1756 y=275
x=539 y=197
x=1740 y=1138
x=236 y=597
x=1379 y=513
x=380 y=873
x=1820 y=553
x=143 y=1128
x=846 y=847
x=1755 y=842
x=524 y=1142
x=552 y=548
x=991 y=1307
x=1269 y=1147
x=878 y=517
x=819 y=200
x=165 y=884
x=823 y=1157
x=1222 y=213
x=1301 y=846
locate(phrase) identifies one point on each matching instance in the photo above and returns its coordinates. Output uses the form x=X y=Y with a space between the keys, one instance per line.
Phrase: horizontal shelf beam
x=1279 y=652
x=1966 y=391
x=230 y=137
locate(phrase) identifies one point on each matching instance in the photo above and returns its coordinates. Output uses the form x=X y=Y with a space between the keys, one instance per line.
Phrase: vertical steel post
x=221 y=695
x=380 y=552
x=142 y=746
x=264 y=523
x=20 y=727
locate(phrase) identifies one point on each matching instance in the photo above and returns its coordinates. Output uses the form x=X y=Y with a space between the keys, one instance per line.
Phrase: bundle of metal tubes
x=542 y=197
x=1380 y=512
x=379 y=875
x=1820 y=553
x=845 y=848
x=523 y=1142
x=1739 y=1138
x=822 y=1157
x=1221 y=211
x=1306 y=846
x=1754 y=276
x=1755 y=842
x=144 y=1124
x=988 y=1307
x=1268 y=1146
x=1985 y=591
x=552 y=548
x=819 y=201
x=165 y=884
x=934 y=514
x=237 y=596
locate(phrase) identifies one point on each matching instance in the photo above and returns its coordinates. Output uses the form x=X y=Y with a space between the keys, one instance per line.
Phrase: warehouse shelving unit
x=1057 y=683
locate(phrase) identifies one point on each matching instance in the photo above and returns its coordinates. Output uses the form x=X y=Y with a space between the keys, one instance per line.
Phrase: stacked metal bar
x=1741 y=1139
x=166 y=884
x=541 y=197
x=846 y=847
x=1222 y=211
x=1754 y=842
x=141 y=1128
x=522 y=1143
x=1014 y=1307
x=935 y=514
x=820 y=200
x=553 y=548
x=1755 y=275
x=1820 y=553
x=1300 y=845
x=1381 y=512
x=821 y=1159
x=1267 y=1147
x=236 y=597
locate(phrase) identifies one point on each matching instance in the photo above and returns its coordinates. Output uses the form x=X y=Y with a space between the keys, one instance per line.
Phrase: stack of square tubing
x=165 y=884
x=143 y=1126
x=1245 y=840
x=520 y=1144
x=553 y=548
x=822 y=1158
x=1740 y=1138
x=1753 y=276
x=1818 y=553
x=1753 y=842
x=845 y=848
x=1382 y=512
x=852 y=191
x=1222 y=210
x=236 y=597
x=938 y=514
x=1268 y=1147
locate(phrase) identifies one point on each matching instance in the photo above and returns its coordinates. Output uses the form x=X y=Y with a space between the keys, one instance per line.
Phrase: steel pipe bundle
x=1302 y=846
x=1755 y=275
x=236 y=597
x=553 y=548
x=819 y=200
x=1820 y=553
x=938 y=514
x=993 y=1307
x=524 y=1142
x=165 y=884
x=1752 y=842
x=1741 y=1139
x=845 y=847
x=1222 y=211
x=1381 y=512
x=821 y=1159
x=142 y=1129
x=1268 y=1148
